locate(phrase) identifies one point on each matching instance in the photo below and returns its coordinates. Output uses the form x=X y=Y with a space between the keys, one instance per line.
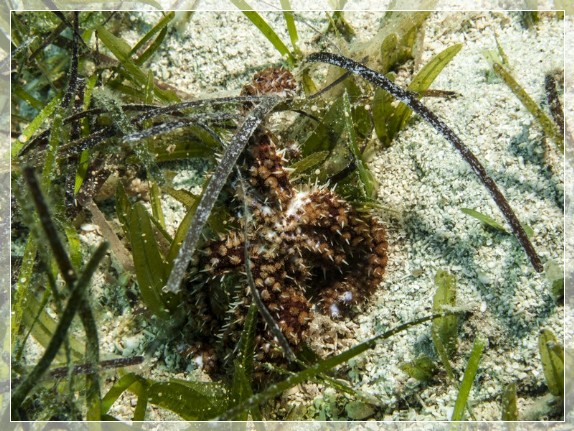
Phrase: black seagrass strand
x=211 y=192
x=169 y=127
x=412 y=102
x=73 y=83
x=62 y=260
x=85 y=368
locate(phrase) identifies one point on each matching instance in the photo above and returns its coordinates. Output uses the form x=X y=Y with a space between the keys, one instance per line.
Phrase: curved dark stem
x=411 y=100
x=73 y=84
x=52 y=236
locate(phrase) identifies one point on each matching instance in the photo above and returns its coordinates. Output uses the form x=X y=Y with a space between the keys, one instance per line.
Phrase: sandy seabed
x=423 y=184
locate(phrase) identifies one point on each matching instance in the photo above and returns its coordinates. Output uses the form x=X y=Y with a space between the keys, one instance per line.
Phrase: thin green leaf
x=265 y=29
x=35 y=124
x=162 y=231
x=361 y=117
x=83 y=165
x=88 y=92
x=148 y=92
x=489 y=221
x=42 y=326
x=126 y=89
x=383 y=110
x=422 y=82
x=509 y=407
x=246 y=345
x=22 y=287
x=151 y=268
x=557 y=289
x=193 y=401
x=444 y=357
x=550 y=129
x=367 y=179
x=422 y=368
x=119 y=47
x=240 y=390
x=502 y=55
x=196 y=142
x=121 y=50
x=57 y=136
x=388 y=119
x=340 y=26
x=182 y=150
x=399 y=34
x=118 y=388
x=161 y=26
x=555 y=276
x=184 y=196
x=309 y=86
x=181 y=232
x=445 y=328
x=468 y=380
x=529 y=231
x=31 y=100
x=328 y=131
x=82 y=170
x=552 y=357
x=74 y=245
x=155 y=199
x=307 y=163
x=141 y=405
x=291 y=27
x=152 y=49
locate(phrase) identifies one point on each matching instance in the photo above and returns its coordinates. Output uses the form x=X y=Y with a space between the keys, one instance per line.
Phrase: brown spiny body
x=307 y=247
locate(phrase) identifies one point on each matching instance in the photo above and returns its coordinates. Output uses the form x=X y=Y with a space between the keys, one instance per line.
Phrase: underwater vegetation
x=282 y=227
